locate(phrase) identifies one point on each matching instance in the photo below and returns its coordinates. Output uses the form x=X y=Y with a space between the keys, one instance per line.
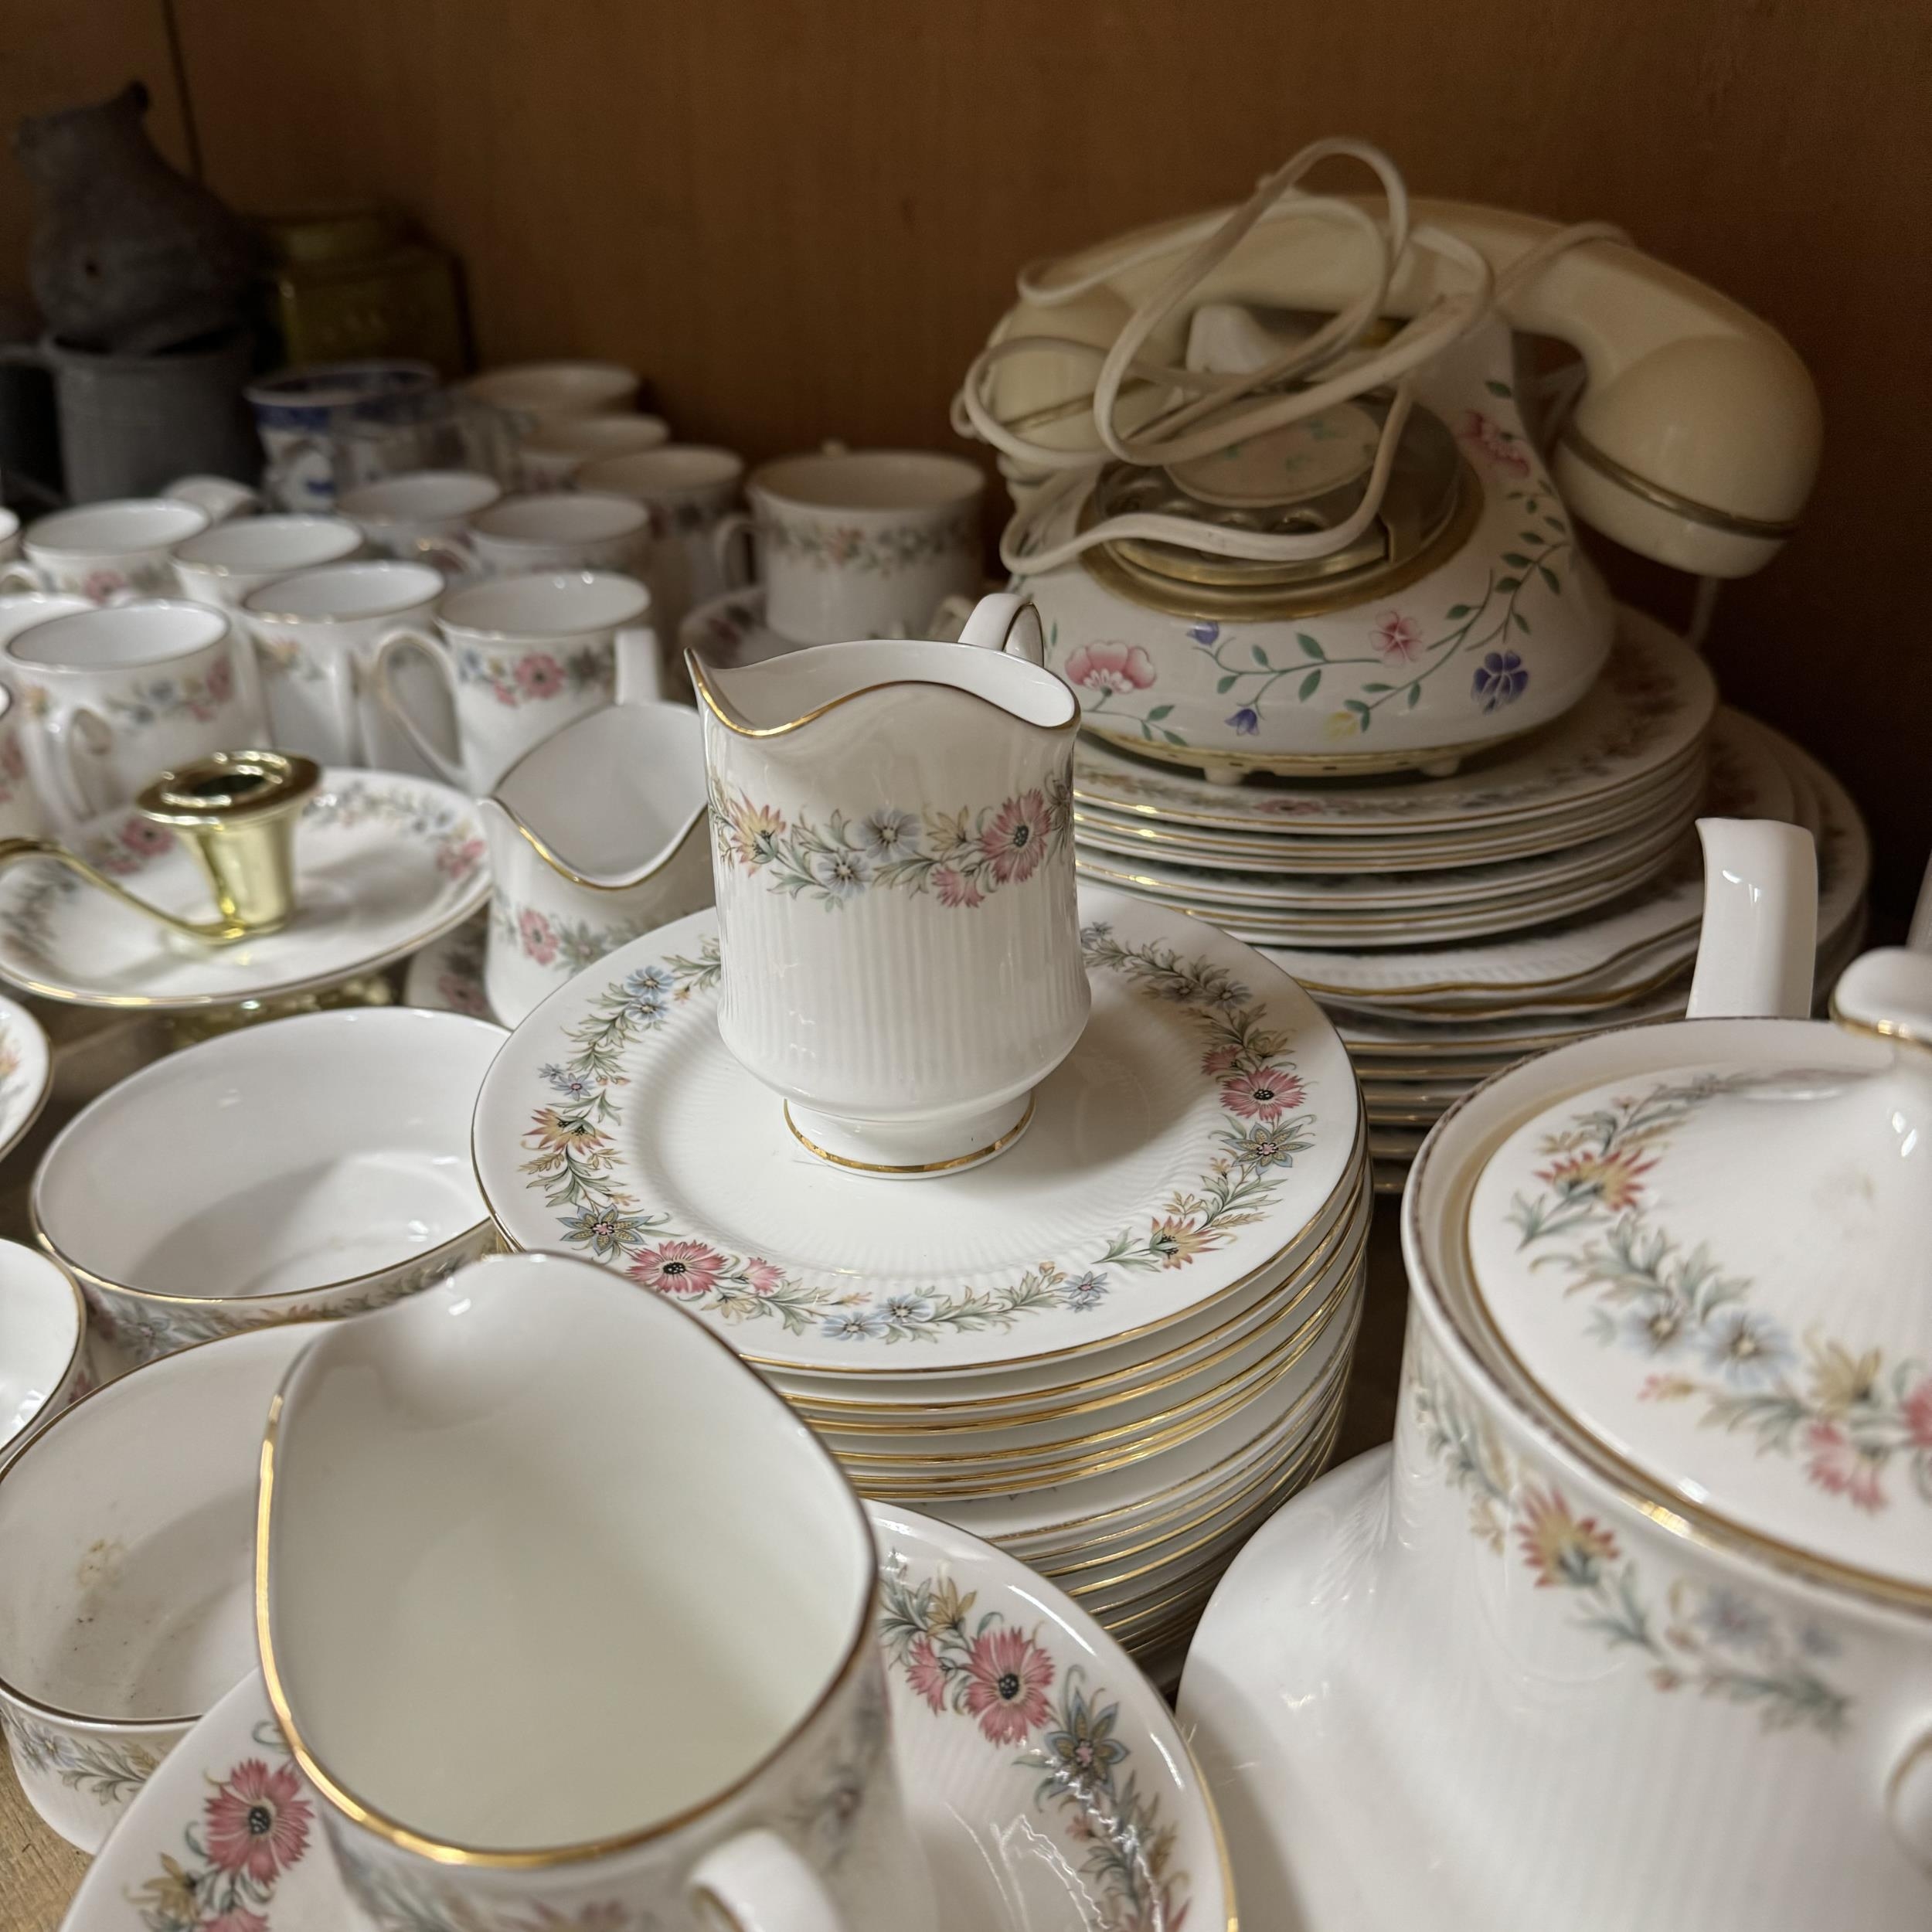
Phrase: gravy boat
x=595 y=837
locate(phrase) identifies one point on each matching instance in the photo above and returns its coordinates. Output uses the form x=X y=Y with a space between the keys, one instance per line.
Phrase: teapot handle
x=1005 y=621
x=1758 y=950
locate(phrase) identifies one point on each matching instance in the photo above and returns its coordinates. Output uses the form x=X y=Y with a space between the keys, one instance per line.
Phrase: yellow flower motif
x=1840 y=1380
x=949 y=1606
x=1177 y=1243
x=1340 y=725
x=1614 y=1179
x=170 y=1897
x=552 y=1130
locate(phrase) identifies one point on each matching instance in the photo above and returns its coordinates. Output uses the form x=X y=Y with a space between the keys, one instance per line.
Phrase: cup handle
x=1005 y=621
x=453 y=554
x=221 y=497
x=757 y=1882
x=730 y=527
x=74 y=737
x=19 y=576
x=392 y=647
x=640 y=665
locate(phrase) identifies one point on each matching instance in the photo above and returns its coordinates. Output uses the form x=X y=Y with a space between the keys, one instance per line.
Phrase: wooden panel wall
x=799 y=216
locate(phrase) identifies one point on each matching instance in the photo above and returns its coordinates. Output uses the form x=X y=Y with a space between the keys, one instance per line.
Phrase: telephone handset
x=1694 y=440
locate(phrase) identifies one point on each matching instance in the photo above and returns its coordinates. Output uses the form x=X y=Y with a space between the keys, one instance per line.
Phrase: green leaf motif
x=1310 y=647
x=1310 y=685
x=1160 y=711
x=1457 y=611
x=1497 y=388
x=1415 y=695
x=1509 y=583
x=1378 y=687
x=1260 y=656
x=1515 y=560
x=1225 y=685
x=1550 y=578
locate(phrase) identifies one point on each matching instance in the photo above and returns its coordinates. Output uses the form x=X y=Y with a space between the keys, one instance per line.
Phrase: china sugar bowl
x=43 y=1325
x=313 y=1166
x=126 y=1602
x=1638 y=1630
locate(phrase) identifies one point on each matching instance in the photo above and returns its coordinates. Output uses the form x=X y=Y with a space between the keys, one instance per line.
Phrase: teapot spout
x=1758 y=949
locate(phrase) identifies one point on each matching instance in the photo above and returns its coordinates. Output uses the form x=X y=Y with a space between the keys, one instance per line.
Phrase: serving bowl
x=315 y=1166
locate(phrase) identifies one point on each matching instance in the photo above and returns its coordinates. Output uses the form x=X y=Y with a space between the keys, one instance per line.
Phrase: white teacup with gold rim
x=558 y=530
x=542 y=1663
x=553 y=452
x=116 y=694
x=519 y=658
x=894 y=874
x=222 y=565
x=102 y=550
x=686 y=489
x=316 y=636
x=423 y=517
x=861 y=543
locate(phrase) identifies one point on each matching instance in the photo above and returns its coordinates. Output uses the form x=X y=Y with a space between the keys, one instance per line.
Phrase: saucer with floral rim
x=1047 y=1781
x=26 y=1073
x=384 y=863
x=1189 y=1142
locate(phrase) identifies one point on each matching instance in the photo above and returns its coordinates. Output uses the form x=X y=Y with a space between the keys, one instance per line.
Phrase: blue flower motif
x=1746 y=1350
x=574 y=1086
x=1500 y=679
x=1655 y=1327
x=886 y=833
x=1265 y=1145
x=646 y=981
x=854 y=1325
x=840 y=873
x=1247 y=721
x=1087 y=1291
x=1204 y=635
x=1733 y=1620
x=908 y=1310
x=607 y=1232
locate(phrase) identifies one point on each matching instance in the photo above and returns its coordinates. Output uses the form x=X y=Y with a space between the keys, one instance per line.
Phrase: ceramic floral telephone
x=1288 y=444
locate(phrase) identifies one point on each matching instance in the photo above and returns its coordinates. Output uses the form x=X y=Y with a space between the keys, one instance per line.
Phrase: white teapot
x=1636 y=1630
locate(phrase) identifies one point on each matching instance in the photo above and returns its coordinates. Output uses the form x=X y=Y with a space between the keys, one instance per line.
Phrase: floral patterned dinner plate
x=1186 y=1144
x=26 y=1073
x=384 y=864
x=1650 y=705
x=1049 y=1785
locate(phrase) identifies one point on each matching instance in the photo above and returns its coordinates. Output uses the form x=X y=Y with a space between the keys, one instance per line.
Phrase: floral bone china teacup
x=222 y=565
x=525 y=656
x=423 y=517
x=120 y=693
x=894 y=857
x=566 y=530
x=454 y=1598
x=685 y=488
x=104 y=550
x=316 y=636
x=861 y=543
x=579 y=868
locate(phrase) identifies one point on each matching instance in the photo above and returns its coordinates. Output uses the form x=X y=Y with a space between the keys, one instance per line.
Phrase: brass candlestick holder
x=236 y=812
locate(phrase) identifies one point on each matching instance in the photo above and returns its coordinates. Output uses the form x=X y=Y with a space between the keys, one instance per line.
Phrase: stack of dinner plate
x=1424 y=1026
x=1114 y=1349
x=1450 y=926
x=1557 y=824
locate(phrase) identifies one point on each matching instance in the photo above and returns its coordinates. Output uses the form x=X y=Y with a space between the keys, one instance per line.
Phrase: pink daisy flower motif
x=1838 y=1467
x=539 y=942
x=1015 y=842
x=926 y=1674
x=143 y=836
x=762 y=1277
x=1262 y=1095
x=539 y=675
x=680 y=1268
x=955 y=889
x=257 y=1821
x=1007 y=1678
x=1397 y=639
x=101 y=585
x=458 y=860
x=1916 y=1410
x=1496 y=442
x=1110 y=668
x=221 y=681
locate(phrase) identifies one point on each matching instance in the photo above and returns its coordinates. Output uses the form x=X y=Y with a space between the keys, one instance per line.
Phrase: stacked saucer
x=1114 y=1349
x=1424 y=1026
x=1572 y=817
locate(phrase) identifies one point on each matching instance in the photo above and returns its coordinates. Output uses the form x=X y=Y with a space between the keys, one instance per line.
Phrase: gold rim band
x=1769 y=529
x=985 y=1153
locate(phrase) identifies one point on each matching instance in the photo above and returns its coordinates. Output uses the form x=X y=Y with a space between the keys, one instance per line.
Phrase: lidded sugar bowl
x=1634 y=1627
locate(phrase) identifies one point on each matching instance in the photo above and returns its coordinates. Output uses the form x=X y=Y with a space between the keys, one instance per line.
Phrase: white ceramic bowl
x=313 y=1166
x=127 y=1607
x=42 y=1324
